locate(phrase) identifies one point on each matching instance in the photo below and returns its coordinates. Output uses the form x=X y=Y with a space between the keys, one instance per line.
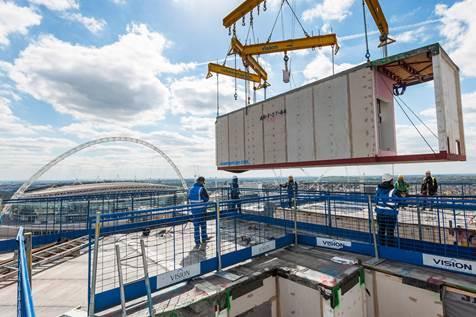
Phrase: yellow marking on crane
x=232 y=72
x=291 y=45
x=240 y=11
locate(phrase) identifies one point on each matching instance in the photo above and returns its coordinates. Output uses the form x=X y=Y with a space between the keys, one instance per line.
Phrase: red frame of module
x=409 y=158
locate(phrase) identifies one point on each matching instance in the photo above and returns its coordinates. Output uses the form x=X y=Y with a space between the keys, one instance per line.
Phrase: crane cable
x=367 y=53
x=411 y=121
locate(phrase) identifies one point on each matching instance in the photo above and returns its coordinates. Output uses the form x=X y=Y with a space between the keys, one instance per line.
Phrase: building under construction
x=270 y=252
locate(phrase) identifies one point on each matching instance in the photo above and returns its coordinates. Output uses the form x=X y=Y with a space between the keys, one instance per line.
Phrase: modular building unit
x=348 y=118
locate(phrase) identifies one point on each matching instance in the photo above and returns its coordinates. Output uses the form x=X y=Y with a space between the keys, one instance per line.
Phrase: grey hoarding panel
x=331 y=113
x=236 y=136
x=459 y=304
x=254 y=135
x=274 y=120
x=363 y=131
x=300 y=126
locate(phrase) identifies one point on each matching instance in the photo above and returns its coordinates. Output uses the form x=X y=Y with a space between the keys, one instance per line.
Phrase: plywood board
x=397 y=299
x=274 y=122
x=300 y=125
x=363 y=131
x=221 y=140
x=254 y=147
x=331 y=113
x=298 y=300
x=236 y=136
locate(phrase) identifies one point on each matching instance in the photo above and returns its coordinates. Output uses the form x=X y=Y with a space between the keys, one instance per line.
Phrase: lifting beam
x=228 y=71
x=240 y=11
x=291 y=45
x=248 y=60
x=379 y=18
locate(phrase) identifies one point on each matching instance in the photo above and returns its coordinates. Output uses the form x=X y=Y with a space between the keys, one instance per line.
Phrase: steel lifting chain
x=243 y=22
x=264 y=6
x=251 y=18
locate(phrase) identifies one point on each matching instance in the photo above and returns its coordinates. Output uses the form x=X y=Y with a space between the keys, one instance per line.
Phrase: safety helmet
x=400 y=177
x=386 y=178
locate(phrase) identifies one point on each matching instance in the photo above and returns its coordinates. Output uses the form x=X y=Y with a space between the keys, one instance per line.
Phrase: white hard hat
x=386 y=178
x=235 y=177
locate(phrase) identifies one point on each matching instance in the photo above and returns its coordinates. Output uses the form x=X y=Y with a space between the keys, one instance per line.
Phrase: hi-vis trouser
x=199 y=221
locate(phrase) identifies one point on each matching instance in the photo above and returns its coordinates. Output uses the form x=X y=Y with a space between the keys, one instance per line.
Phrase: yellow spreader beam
x=248 y=60
x=291 y=45
x=380 y=20
x=232 y=72
x=240 y=11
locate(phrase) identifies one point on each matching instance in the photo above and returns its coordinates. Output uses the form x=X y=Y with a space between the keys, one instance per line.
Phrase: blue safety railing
x=431 y=231
x=25 y=307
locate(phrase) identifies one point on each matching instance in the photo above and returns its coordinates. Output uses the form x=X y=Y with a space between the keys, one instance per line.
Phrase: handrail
x=25 y=306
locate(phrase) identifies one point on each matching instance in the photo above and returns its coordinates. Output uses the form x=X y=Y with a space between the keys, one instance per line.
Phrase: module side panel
x=254 y=135
x=300 y=126
x=331 y=113
x=448 y=105
x=274 y=121
x=221 y=139
x=236 y=137
x=362 y=112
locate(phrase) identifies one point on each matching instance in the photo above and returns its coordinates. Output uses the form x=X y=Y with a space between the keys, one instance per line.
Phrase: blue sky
x=72 y=71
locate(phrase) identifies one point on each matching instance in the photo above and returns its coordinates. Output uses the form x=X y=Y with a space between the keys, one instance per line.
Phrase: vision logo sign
x=179 y=275
x=458 y=265
x=332 y=243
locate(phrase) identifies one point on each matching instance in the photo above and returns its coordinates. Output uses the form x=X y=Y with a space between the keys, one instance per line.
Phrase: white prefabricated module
x=348 y=118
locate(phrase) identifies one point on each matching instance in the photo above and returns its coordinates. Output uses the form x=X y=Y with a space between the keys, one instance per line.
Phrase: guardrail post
x=374 y=235
x=28 y=249
x=146 y=279
x=218 y=232
x=295 y=218
x=95 y=265
x=121 y=281
x=420 y=233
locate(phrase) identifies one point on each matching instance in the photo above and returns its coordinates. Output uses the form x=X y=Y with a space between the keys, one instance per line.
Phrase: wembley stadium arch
x=19 y=193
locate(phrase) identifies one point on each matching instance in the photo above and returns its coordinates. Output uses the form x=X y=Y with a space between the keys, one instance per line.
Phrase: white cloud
x=413 y=36
x=116 y=82
x=15 y=19
x=57 y=5
x=321 y=66
x=329 y=10
x=197 y=95
x=119 y=2
x=69 y=10
x=459 y=29
x=13 y=126
x=92 y=24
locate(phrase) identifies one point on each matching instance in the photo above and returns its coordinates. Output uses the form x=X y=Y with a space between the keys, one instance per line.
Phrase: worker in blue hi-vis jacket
x=198 y=195
x=386 y=209
x=292 y=188
x=235 y=194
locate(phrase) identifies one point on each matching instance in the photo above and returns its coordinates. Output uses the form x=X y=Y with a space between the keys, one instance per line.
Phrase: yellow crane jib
x=379 y=18
x=291 y=45
x=248 y=60
x=232 y=72
x=240 y=11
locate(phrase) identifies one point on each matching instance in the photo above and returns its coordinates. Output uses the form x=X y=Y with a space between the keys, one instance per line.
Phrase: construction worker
x=386 y=210
x=235 y=193
x=292 y=188
x=198 y=195
x=429 y=186
x=401 y=187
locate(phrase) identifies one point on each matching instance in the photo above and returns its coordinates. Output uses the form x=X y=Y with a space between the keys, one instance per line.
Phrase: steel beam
x=290 y=45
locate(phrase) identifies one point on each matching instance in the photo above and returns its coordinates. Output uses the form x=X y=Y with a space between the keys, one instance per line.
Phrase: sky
x=73 y=71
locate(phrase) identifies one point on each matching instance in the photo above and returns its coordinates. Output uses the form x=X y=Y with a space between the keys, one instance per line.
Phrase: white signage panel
x=178 y=275
x=332 y=243
x=263 y=247
x=457 y=265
